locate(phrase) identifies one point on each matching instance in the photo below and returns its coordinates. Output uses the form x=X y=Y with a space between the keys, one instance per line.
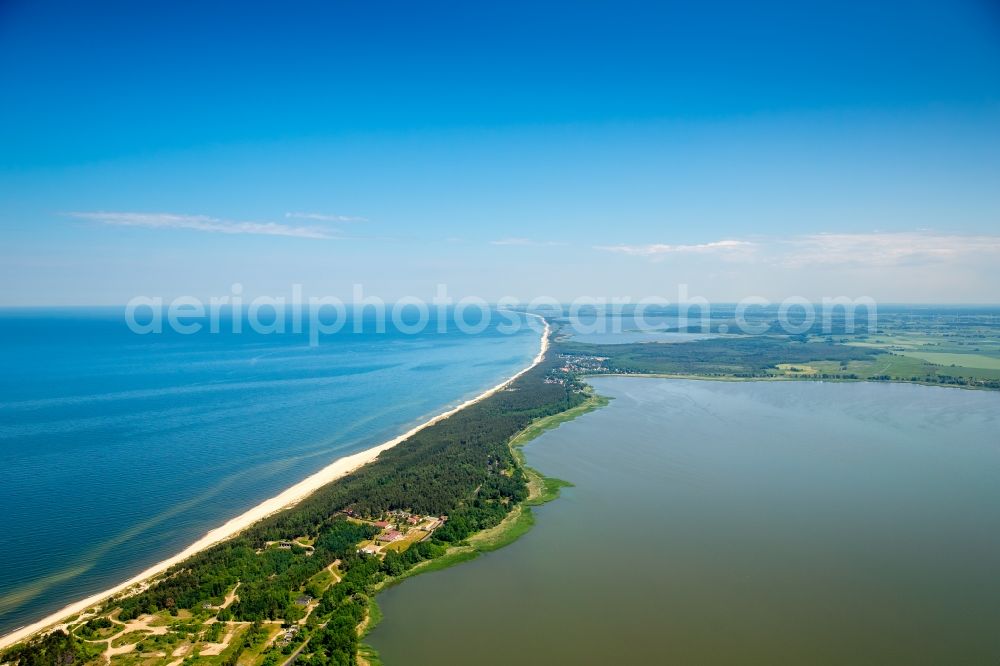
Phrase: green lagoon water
x=738 y=523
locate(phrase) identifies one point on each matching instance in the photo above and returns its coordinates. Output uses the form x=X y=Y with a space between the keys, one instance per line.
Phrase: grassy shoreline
x=541 y=490
x=544 y=489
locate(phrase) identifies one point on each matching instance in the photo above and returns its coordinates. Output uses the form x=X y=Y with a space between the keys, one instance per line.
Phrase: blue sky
x=578 y=148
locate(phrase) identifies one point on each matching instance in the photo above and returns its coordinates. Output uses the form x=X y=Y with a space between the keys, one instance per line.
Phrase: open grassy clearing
x=410 y=538
x=797 y=369
x=129 y=638
x=903 y=367
x=252 y=654
x=324 y=579
x=977 y=361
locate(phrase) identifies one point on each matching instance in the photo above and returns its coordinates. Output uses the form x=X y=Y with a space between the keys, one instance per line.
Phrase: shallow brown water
x=738 y=523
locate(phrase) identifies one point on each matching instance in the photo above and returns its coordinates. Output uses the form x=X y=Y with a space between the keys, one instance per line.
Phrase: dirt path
x=140 y=623
x=290 y=496
x=231 y=597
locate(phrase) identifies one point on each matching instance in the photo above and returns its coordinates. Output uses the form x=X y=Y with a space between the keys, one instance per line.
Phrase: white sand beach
x=289 y=497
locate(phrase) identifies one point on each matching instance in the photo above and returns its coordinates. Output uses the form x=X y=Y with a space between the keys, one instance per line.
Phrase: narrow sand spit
x=291 y=496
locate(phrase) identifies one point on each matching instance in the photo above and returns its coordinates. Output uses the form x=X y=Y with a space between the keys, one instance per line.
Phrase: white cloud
x=524 y=242
x=656 y=249
x=857 y=250
x=881 y=249
x=199 y=223
x=324 y=217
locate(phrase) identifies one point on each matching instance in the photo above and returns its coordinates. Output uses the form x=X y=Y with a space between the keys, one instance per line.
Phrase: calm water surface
x=627 y=329
x=118 y=450
x=738 y=523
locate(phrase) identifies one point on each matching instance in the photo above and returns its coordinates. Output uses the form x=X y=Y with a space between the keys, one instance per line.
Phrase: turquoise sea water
x=121 y=449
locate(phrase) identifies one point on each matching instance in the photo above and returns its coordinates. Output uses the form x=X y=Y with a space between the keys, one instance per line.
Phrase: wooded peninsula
x=299 y=585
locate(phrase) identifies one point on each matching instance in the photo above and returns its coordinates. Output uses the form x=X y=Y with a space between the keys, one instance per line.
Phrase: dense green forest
x=737 y=357
x=461 y=467
x=57 y=648
x=887 y=357
x=951 y=346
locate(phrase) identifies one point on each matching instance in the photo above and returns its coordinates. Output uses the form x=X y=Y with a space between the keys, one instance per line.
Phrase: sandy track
x=288 y=498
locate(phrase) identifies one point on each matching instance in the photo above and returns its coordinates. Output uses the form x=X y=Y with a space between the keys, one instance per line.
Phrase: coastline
x=287 y=498
x=543 y=560
x=541 y=490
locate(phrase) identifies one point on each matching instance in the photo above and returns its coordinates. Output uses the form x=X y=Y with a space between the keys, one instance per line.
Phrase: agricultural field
x=932 y=344
x=928 y=346
x=977 y=361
